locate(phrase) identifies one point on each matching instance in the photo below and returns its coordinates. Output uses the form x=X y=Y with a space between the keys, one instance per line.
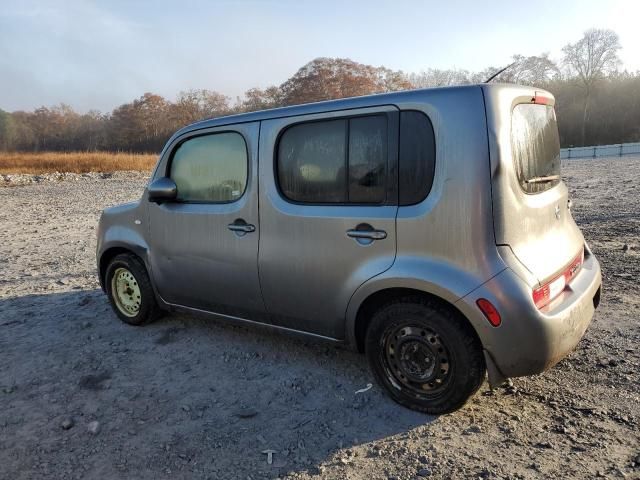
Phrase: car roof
x=390 y=98
x=318 y=107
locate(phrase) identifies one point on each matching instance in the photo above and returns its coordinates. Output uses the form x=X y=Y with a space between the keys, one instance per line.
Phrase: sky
x=94 y=54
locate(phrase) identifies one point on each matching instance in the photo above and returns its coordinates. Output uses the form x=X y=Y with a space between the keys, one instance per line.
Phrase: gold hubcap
x=126 y=292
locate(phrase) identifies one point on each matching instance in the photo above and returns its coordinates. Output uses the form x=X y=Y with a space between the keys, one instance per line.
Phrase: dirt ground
x=192 y=398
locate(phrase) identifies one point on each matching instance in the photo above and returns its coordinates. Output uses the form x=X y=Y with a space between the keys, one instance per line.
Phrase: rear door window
x=311 y=162
x=367 y=159
x=535 y=146
x=341 y=161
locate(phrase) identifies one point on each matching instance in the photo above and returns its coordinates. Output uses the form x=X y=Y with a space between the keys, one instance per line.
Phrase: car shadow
x=184 y=394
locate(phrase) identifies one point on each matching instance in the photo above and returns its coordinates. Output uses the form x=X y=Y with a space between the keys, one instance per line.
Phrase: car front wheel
x=129 y=290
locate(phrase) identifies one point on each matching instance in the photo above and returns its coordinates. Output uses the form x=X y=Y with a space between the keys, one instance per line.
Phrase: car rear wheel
x=129 y=290
x=424 y=354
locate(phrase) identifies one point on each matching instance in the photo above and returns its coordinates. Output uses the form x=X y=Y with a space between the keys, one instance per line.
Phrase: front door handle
x=241 y=227
x=367 y=234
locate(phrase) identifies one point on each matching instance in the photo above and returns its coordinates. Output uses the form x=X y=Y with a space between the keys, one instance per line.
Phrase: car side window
x=211 y=168
x=417 y=157
x=342 y=161
x=367 y=159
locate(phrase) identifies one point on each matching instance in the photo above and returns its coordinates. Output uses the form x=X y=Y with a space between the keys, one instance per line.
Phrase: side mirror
x=162 y=190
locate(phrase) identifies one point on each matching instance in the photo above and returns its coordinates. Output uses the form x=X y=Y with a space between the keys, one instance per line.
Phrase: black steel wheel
x=424 y=354
x=417 y=358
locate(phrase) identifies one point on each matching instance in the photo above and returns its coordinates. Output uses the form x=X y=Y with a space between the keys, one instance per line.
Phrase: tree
x=330 y=78
x=7 y=131
x=142 y=125
x=434 y=77
x=194 y=105
x=258 y=99
x=145 y=124
x=590 y=59
x=536 y=70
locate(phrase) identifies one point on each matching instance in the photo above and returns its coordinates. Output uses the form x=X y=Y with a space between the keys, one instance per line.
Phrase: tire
x=129 y=290
x=424 y=354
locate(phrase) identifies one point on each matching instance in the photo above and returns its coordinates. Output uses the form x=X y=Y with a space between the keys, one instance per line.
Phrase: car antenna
x=499 y=72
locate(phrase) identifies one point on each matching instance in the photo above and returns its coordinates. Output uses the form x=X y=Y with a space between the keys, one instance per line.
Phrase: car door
x=328 y=204
x=204 y=245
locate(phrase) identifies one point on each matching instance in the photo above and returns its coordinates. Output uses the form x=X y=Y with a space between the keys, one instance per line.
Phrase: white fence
x=601 y=151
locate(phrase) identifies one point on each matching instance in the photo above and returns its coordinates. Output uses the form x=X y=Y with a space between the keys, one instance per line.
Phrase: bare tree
x=533 y=70
x=434 y=77
x=590 y=59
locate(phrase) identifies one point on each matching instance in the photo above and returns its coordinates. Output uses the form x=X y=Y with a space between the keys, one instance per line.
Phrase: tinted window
x=211 y=168
x=367 y=159
x=536 y=147
x=416 y=157
x=336 y=161
x=311 y=162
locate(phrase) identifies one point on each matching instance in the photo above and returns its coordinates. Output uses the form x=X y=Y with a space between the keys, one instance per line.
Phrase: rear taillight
x=543 y=295
x=542 y=99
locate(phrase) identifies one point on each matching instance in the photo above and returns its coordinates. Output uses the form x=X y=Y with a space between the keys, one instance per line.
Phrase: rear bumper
x=529 y=341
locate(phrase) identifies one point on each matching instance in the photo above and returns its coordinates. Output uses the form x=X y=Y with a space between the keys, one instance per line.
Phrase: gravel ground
x=84 y=396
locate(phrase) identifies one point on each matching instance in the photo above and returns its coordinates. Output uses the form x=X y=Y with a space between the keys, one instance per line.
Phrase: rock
x=67 y=423
x=245 y=412
x=94 y=427
x=86 y=324
x=626 y=247
x=424 y=472
x=544 y=445
x=85 y=301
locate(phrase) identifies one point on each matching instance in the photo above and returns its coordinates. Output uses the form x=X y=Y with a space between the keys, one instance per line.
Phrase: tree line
x=596 y=103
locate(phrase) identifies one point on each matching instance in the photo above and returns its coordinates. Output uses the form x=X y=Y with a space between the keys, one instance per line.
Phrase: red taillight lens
x=489 y=311
x=542 y=99
x=543 y=295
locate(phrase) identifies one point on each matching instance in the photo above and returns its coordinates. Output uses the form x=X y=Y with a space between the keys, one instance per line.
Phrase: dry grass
x=76 y=162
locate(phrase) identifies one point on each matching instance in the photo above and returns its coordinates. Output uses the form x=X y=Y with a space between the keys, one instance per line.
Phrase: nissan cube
x=428 y=229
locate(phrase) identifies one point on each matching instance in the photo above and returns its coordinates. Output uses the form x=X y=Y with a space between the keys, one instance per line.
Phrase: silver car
x=429 y=229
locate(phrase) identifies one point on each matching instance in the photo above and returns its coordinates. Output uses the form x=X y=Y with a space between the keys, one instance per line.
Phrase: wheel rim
x=417 y=360
x=126 y=292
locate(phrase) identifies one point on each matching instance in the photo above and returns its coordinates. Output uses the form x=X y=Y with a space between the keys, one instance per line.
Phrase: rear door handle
x=242 y=227
x=367 y=234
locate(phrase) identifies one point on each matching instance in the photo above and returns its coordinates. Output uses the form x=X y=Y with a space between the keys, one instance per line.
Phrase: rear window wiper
x=546 y=179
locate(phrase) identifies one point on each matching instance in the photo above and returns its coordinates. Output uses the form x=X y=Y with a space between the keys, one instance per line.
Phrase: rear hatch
x=532 y=216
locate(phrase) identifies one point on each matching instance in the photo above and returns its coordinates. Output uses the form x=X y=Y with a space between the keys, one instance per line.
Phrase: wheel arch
x=375 y=300
x=114 y=250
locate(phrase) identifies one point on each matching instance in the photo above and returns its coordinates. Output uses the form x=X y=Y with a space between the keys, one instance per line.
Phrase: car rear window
x=535 y=146
x=417 y=157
